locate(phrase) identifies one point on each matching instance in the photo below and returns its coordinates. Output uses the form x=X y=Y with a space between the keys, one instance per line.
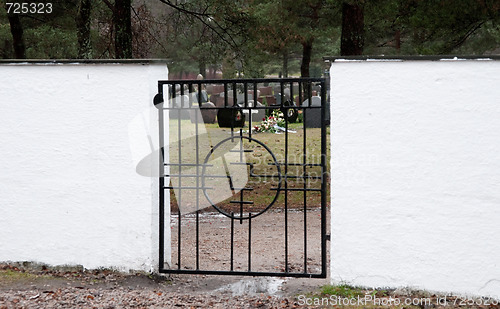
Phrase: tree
x=352 y=40
x=16 y=29
x=431 y=27
x=207 y=31
x=83 y=29
x=288 y=24
x=146 y=30
x=123 y=29
x=34 y=35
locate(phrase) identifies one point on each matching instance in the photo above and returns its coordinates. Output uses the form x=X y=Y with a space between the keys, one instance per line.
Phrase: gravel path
x=35 y=286
x=26 y=287
x=137 y=298
x=267 y=245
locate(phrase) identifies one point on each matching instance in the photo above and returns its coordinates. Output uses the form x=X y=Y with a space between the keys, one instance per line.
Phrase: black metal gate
x=244 y=166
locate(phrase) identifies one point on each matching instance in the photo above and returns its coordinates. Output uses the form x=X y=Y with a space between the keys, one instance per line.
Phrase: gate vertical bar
x=232 y=241
x=304 y=173
x=179 y=198
x=196 y=111
x=286 y=178
x=323 y=178
x=250 y=241
x=161 y=182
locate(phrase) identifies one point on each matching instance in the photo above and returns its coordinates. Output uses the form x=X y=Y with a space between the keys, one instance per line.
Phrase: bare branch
x=206 y=18
x=109 y=4
x=148 y=29
x=460 y=41
x=182 y=9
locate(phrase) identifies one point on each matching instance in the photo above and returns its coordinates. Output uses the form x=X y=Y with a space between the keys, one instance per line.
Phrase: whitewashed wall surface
x=416 y=174
x=69 y=191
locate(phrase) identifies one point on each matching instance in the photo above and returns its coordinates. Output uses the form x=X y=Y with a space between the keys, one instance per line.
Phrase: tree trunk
x=123 y=29
x=203 y=68
x=83 y=29
x=397 y=38
x=17 y=36
x=306 y=57
x=352 y=38
x=285 y=63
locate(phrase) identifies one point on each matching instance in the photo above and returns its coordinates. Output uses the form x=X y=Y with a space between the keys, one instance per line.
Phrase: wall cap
x=411 y=58
x=82 y=61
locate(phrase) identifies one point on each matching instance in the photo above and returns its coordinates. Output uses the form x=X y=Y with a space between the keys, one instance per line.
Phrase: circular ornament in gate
x=233 y=170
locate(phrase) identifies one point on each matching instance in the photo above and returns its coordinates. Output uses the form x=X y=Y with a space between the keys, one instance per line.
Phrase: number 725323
x=25 y=8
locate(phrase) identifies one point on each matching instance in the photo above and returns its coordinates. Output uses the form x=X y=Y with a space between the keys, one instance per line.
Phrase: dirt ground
x=27 y=285
x=34 y=286
x=267 y=245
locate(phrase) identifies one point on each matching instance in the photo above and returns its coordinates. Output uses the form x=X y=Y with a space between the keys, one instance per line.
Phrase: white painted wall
x=416 y=175
x=69 y=192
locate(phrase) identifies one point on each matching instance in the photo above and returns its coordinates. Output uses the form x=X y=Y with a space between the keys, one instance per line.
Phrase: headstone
x=277 y=98
x=219 y=101
x=207 y=113
x=250 y=94
x=270 y=100
x=210 y=89
x=204 y=96
x=257 y=114
x=264 y=91
x=277 y=89
x=240 y=99
x=313 y=115
x=287 y=92
x=229 y=117
x=218 y=89
x=176 y=104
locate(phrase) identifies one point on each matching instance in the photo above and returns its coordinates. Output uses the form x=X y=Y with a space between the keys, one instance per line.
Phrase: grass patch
x=14 y=275
x=8 y=276
x=210 y=135
x=343 y=290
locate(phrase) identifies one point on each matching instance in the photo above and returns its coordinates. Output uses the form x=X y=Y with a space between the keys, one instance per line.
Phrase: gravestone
x=204 y=96
x=178 y=102
x=208 y=113
x=291 y=114
x=264 y=91
x=250 y=94
x=313 y=116
x=257 y=114
x=229 y=117
x=215 y=89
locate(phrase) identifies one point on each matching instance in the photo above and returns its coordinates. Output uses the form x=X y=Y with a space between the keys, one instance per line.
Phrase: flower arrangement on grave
x=272 y=123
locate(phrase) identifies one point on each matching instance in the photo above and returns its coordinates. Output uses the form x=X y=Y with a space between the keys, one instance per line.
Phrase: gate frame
x=158 y=102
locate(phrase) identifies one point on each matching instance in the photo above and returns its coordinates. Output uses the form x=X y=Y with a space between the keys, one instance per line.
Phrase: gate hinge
x=157 y=100
x=327 y=237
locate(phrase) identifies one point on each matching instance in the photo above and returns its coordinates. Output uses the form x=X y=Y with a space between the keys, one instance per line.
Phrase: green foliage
x=40 y=43
x=46 y=36
x=255 y=38
x=431 y=27
x=270 y=122
x=345 y=291
x=6 y=49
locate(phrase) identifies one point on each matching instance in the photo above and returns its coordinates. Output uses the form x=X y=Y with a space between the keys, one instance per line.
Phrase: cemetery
x=250 y=154
x=409 y=199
